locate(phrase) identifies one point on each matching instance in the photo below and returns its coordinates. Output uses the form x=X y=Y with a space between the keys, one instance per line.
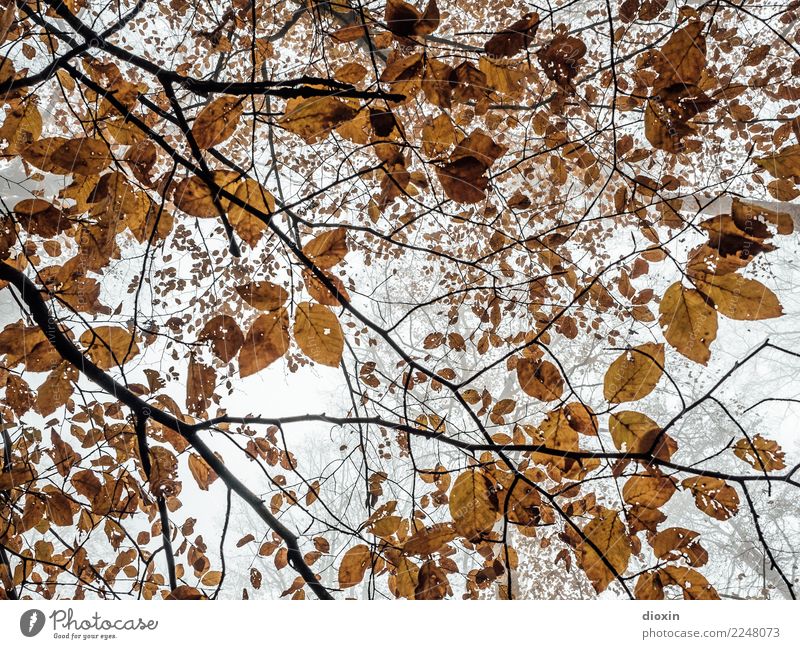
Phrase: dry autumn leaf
x=217 y=121
x=354 y=565
x=690 y=324
x=265 y=342
x=81 y=156
x=312 y=119
x=109 y=347
x=327 y=249
x=318 y=333
x=607 y=532
x=760 y=453
x=634 y=374
x=713 y=496
x=263 y=295
x=540 y=379
x=473 y=504
x=739 y=298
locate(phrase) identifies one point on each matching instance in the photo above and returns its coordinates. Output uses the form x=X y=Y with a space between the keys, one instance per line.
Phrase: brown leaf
x=405 y=20
x=203 y=474
x=649 y=586
x=784 y=164
x=108 y=346
x=430 y=539
x=354 y=565
x=651 y=490
x=634 y=374
x=249 y=226
x=675 y=543
x=682 y=58
x=581 y=418
x=463 y=180
x=322 y=293
x=431 y=582
x=691 y=582
x=200 y=385
x=690 y=324
x=265 y=342
x=312 y=119
x=762 y=454
x=560 y=58
x=28 y=345
x=63 y=455
x=540 y=379
x=713 y=496
x=211 y=578
x=16 y=476
x=193 y=196
x=185 y=592
x=473 y=504
x=515 y=38
x=217 y=121
x=608 y=534
x=328 y=248
x=88 y=485
x=225 y=335
x=318 y=333
x=60 y=510
x=632 y=431
x=739 y=298
x=40 y=217
x=59 y=155
x=263 y=295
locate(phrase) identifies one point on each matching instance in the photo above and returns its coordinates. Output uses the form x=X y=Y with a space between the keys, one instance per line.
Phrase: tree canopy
x=379 y=299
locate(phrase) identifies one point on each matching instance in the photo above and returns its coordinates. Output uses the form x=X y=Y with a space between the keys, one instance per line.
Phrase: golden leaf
x=761 y=454
x=608 y=534
x=690 y=324
x=318 y=333
x=540 y=379
x=217 y=121
x=634 y=374
x=266 y=341
x=473 y=504
x=108 y=346
x=739 y=298
x=713 y=496
x=59 y=155
x=354 y=565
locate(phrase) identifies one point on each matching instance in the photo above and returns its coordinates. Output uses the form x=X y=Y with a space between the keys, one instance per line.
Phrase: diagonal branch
x=69 y=352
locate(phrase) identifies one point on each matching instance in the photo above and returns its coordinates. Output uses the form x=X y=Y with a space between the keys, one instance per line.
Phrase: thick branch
x=70 y=353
